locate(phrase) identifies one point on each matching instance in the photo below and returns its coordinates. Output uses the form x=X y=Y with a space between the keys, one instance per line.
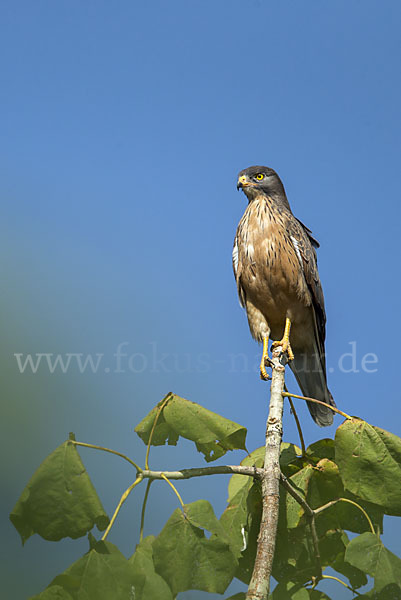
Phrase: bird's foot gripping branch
x=291 y=533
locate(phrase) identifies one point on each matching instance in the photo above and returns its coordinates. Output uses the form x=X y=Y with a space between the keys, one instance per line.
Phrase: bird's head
x=256 y=180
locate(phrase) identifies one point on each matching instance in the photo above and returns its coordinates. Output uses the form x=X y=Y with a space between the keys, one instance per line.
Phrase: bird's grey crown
x=252 y=171
x=271 y=184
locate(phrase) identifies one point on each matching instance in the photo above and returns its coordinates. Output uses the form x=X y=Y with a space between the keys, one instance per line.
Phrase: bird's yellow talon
x=264 y=375
x=285 y=342
x=265 y=359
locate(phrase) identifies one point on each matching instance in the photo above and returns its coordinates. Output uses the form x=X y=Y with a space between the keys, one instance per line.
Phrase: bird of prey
x=275 y=267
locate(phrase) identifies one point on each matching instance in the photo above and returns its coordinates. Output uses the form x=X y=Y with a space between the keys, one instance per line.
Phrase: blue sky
x=123 y=129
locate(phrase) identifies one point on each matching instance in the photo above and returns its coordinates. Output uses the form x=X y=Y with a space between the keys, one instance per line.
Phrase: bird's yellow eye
x=259 y=176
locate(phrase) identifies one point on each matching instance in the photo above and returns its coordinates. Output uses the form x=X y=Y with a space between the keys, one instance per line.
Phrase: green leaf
x=317 y=595
x=290 y=461
x=288 y=454
x=369 y=460
x=236 y=517
x=326 y=485
x=186 y=559
x=288 y=590
x=213 y=435
x=239 y=596
x=55 y=592
x=300 y=482
x=389 y=592
x=332 y=548
x=59 y=500
x=241 y=519
x=251 y=533
x=321 y=449
x=238 y=482
x=294 y=557
x=148 y=584
x=163 y=432
x=102 y=573
x=356 y=577
x=244 y=500
x=367 y=553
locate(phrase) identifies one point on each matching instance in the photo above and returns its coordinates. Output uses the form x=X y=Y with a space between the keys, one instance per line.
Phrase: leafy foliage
x=349 y=483
x=290 y=591
x=213 y=435
x=101 y=573
x=148 y=584
x=243 y=497
x=186 y=558
x=367 y=553
x=370 y=462
x=59 y=500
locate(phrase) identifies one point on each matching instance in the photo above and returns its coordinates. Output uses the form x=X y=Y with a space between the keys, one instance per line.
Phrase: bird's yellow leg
x=285 y=342
x=265 y=357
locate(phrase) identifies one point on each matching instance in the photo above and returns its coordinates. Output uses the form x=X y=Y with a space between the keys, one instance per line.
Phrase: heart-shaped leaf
x=59 y=500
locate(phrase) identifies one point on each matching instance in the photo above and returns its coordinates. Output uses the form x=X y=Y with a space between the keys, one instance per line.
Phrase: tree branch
x=293 y=492
x=203 y=471
x=259 y=586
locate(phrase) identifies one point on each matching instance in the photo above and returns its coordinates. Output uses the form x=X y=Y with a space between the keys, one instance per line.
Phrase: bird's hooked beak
x=244 y=182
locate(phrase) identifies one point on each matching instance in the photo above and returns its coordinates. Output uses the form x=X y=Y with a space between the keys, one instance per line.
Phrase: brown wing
x=304 y=244
x=313 y=240
x=237 y=273
x=312 y=381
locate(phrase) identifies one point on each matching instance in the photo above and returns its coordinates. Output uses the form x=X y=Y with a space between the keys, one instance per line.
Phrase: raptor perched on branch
x=275 y=266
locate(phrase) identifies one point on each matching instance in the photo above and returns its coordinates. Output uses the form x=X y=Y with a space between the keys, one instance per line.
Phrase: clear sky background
x=123 y=128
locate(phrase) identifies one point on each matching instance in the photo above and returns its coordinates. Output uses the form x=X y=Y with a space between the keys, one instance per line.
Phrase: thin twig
x=107 y=450
x=343 y=583
x=293 y=492
x=322 y=508
x=162 y=405
x=315 y=539
x=312 y=522
x=175 y=490
x=145 y=501
x=333 y=408
x=312 y=513
x=119 y=505
x=298 y=424
x=259 y=586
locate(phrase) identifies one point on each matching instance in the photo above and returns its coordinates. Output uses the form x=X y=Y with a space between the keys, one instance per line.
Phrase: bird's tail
x=310 y=372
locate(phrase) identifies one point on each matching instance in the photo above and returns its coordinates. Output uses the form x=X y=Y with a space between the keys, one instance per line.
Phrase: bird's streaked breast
x=267 y=261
